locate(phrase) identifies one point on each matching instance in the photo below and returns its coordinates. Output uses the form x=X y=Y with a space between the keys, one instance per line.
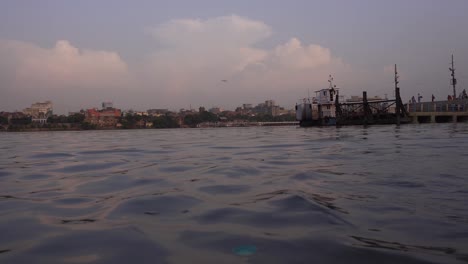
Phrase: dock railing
x=459 y=105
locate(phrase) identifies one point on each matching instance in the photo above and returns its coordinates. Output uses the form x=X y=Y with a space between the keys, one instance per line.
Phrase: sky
x=174 y=54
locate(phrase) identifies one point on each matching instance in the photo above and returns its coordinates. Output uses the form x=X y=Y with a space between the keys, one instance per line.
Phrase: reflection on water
x=236 y=195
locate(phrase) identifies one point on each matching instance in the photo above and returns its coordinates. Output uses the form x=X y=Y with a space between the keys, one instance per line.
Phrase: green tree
x=130 y=120
x=76 y=118
x=206 y=116
x=192 y=120
x=261 y=118
x=21 y=120
x=3 y=120
x=55 y=119
x=165 y=121
x=88 y=126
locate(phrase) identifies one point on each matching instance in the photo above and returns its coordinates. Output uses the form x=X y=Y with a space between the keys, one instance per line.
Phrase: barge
x=328 y=108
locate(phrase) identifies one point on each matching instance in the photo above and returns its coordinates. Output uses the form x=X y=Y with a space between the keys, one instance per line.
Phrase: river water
x=381 y=194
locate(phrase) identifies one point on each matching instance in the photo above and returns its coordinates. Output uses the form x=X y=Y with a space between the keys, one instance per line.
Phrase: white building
x=39 y=111
x=215 y=110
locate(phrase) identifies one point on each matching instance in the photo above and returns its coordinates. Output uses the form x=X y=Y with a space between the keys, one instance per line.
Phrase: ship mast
x=453 y=81
x=330 y=80
x=399 y=104
x=332 y=88
x=396 y=78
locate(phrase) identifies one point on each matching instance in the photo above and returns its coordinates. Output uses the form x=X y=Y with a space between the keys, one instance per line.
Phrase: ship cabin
x=325 y=100
x=321 y=109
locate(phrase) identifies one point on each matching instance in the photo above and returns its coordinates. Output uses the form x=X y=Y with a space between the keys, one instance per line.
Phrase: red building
x=103 y=118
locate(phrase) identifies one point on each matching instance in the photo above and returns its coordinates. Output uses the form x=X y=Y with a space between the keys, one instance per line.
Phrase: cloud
x=294 y=55
x=189 y=59
x=196 y=54
x=219 y=44
x=227 y=31
x=63 y=72
x=61 y=66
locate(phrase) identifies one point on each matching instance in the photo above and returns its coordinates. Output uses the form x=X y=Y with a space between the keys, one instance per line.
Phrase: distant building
x=103 y=118
x=157 y=112
x=140 y=113
x=107 y=105
x=274 y=110
x=184 y=111
x=229 y=113
x=269 y=107
x=269 y=103
x=215 y=110
x=355 y=98
x=245 y=109
x=39 y=112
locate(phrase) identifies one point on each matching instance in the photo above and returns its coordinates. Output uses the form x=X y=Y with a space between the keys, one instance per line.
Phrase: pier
x=439 y=111
x=454 y=110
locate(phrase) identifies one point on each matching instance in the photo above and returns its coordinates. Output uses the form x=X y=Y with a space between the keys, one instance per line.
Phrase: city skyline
x=104 y=105
x=157 y=54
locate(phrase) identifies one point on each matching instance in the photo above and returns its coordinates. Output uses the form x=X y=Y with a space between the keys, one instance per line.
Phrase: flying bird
x=224 y=80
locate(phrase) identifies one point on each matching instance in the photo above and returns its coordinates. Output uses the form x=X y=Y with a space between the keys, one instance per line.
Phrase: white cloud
x=192 y=58
x=196 y=54
x=62 y=66
x=296 y=56
x=63 y=73
x=227 y=31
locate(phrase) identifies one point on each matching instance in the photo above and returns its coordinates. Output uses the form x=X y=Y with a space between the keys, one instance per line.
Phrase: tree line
x=132 y=120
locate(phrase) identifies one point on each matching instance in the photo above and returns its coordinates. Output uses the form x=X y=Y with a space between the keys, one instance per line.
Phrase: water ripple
x=379 y=194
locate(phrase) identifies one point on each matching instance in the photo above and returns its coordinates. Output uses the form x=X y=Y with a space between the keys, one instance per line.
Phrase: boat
x=319 y=110
x=328 y=108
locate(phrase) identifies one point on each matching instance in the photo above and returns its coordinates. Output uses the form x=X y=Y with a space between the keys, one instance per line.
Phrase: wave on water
x=255 y=195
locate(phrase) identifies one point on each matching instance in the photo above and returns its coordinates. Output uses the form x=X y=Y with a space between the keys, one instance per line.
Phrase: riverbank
x=204 y=125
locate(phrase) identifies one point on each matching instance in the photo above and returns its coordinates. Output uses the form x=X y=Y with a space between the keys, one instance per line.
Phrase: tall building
x=269 y=103
x=39 y=112
x=247 y=106
x=269 y=107
x=107 y=105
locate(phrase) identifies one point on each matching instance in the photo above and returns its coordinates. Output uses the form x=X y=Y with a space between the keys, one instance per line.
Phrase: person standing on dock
x=419 y=98
x=413 y=100
x=433 y=97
